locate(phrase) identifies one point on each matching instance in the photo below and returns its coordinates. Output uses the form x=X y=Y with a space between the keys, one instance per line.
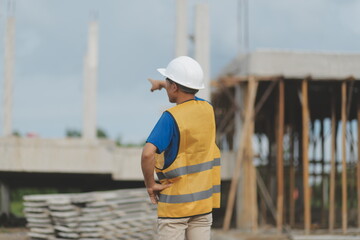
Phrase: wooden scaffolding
x=295 y=135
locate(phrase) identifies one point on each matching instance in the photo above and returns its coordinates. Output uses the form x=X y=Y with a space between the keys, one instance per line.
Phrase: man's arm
x=156 y=84
x=147 y=166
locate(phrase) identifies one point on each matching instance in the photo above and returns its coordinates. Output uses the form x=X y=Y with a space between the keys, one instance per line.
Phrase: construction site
x=287 y=127
x=289 y=117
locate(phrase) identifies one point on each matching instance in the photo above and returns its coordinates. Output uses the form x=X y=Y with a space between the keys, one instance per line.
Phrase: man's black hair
x=183 y=88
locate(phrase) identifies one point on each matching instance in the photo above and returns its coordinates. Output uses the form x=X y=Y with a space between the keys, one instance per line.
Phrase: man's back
x=195 y=172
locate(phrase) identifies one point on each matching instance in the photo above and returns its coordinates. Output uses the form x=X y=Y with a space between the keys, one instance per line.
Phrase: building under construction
x=289 y=119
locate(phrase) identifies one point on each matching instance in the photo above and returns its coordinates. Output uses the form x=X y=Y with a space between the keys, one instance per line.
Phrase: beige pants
x=193 y=228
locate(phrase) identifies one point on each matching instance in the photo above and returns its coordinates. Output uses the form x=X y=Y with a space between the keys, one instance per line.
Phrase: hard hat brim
x=162 y=71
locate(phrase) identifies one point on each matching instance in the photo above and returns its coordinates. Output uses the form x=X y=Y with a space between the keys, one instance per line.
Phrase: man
x=182 y=150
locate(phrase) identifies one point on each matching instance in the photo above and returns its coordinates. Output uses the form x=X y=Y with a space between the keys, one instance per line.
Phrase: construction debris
x=120 y=214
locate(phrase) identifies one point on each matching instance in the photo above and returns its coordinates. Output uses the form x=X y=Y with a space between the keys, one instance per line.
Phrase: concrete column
x=4 y=198
x=90 y=83
x=202 y=46
x=181 y=29
x=8 y=76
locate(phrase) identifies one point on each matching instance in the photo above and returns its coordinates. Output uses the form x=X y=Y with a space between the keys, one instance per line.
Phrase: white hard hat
x=184 y=71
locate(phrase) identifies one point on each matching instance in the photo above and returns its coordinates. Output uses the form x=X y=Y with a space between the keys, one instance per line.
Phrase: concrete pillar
x=4 y=198
x=181 y=48
x=90 y=83
x=202 y=46
x=8 y=76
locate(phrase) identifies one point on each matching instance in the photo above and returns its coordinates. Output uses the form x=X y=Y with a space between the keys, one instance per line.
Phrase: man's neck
x=184 y=97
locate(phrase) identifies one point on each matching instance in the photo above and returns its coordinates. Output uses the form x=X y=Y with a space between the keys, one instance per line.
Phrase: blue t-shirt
x=165 y=136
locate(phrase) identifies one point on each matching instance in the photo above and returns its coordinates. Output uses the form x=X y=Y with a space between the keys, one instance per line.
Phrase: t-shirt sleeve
x=162 y=133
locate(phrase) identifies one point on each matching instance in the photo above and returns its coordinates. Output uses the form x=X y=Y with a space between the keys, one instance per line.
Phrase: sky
x=136 y=37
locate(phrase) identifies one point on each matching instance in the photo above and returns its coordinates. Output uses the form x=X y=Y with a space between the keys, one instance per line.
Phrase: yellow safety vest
x=195 y=172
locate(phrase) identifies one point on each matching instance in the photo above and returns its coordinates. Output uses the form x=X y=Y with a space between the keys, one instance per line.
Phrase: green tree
x=73 y=133
x=16 y=133
x=101 y=133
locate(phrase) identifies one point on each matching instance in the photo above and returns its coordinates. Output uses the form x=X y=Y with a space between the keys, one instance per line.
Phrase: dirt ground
x=217 y=234
x=13 y=234
x=239 y=235
x=20 y=234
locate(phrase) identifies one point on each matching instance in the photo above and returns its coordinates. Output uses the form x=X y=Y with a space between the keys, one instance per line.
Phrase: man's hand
x=156 y=84
x=155 y=190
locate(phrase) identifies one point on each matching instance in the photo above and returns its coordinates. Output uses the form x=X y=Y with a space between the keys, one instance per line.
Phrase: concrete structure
x=202 y=46
x=8 y=76
x=38 y=159
x=181 y=41
x=295 y=64
x=36 y=155
x=69 y=156
x=90 y=83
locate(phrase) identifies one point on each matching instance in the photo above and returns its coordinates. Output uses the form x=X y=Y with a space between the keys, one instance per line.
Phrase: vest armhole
x=178 y=144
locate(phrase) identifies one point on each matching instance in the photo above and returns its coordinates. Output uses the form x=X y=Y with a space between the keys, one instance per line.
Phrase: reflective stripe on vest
x=189 y=197
x=188 y=169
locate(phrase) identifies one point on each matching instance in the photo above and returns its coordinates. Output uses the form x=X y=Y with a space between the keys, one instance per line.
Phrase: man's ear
x=174 y=87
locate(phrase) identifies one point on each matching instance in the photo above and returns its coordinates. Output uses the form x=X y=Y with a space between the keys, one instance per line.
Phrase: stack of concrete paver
x=120 y=214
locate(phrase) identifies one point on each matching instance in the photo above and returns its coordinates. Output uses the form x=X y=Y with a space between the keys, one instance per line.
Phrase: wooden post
x=249 y=112
x=333 y=166
x=248 y=203
x=305 y=144
x=292 y=181
x=252 y=181
x=323 y=200
x=243 y=220
x=280 y=159
x=242 y=210
x=238 y=120
x=240 y=97
x=358 y=162
x=343 y=160
x=263 y=212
